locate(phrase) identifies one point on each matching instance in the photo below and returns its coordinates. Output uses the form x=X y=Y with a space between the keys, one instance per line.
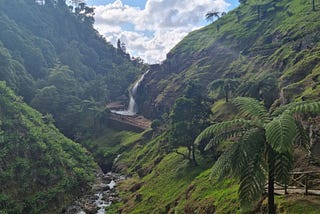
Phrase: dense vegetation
x=59 y=64
x=53 y=60
x=40 y=169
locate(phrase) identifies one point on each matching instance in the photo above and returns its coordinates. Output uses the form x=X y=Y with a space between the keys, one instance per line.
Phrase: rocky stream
x=103 y=193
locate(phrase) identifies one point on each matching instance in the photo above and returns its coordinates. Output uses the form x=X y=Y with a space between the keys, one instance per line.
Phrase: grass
x=296 y=204
x=170 y=183
x=111 y=143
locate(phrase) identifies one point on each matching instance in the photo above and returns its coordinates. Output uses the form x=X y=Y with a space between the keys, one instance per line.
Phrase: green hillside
x=281 y=42
x=53 y=60
x=268 y=50
x=59 y=64
x=41 y=170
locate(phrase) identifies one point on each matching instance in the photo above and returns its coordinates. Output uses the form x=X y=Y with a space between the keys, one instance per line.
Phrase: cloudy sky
x=150 y=28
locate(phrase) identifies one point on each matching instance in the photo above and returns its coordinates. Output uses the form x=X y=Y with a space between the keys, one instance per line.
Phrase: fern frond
x=280 y=133
x=252 y=183
x=282 y=167
x=251 y=108
x=304 y=108
x=243 y=160
x=298 y=107
x=222 y=166
x=302 y=137
x=251 y=147
x=252 y=168
x=222 y=131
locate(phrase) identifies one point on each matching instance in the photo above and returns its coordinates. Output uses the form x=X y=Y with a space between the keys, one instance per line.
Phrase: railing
x=307 y=182
x=137 y=121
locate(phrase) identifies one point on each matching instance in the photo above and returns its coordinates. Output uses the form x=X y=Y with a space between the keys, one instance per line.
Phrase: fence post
x=306 y=184
x=285 y=188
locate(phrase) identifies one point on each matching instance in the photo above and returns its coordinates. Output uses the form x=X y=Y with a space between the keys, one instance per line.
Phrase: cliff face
x=249 y=44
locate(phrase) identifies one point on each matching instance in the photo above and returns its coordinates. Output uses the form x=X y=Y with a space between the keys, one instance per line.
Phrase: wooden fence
x=307 y=182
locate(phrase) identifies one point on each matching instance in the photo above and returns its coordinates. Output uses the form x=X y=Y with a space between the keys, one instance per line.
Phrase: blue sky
x=151 y=28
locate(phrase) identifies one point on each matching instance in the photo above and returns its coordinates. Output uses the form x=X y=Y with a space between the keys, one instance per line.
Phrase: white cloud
x=151 y=32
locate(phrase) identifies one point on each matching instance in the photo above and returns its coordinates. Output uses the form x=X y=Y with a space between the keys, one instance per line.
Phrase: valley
x=225 y=124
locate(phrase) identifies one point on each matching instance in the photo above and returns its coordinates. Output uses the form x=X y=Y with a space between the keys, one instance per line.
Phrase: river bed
x=102 y=195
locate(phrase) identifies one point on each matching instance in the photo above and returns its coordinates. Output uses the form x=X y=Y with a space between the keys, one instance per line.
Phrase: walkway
x=135 y=121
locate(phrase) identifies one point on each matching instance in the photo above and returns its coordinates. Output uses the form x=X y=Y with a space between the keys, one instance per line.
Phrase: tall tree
x=227 y=85
x=211 y=15
x=264 y=88
x=262 y=148
x=187 y=119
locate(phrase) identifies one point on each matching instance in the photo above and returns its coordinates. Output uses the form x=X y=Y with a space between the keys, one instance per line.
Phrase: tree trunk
x=271 y=163
x=313 y=5
x=227 y=95
x=189 y=152
x=194 y=156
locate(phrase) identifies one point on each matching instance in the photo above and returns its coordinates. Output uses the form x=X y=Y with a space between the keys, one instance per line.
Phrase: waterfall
x=132 y=107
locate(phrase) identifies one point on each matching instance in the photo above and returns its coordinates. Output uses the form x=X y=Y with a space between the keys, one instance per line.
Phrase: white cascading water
x=132 y=107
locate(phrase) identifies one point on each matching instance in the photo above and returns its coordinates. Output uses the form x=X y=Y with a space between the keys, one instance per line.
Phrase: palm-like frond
x=251 y=108
x=283 y=166
x=243 y=159
x=280 y=133
x=304 y=108
x=298 y=108
x=223 y=166
x=211 y=14
x=249 y=166
x=215 y=84
x=302 y=137
x=227 y=134
x=252 y=184
x=222 y=131
x=252 y=146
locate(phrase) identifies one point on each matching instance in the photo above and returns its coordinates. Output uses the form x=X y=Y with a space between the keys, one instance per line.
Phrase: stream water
x=132 y=107
x=102 y=195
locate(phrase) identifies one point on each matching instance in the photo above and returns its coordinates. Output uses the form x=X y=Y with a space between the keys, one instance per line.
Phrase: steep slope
x=49 y=51
x=41 y=171
x=271 y=48
x=257 y=39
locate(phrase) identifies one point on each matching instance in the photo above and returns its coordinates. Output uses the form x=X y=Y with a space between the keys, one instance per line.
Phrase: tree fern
x=298 y=108
x=302 y=137
x=283 y=166
x=251 y=147
x=251 y=108
x=304 y=108
x=280 y=133
x=222 y=166
x=250 y=167
x=261 y=146
x=224 y=129
x=252 y=183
